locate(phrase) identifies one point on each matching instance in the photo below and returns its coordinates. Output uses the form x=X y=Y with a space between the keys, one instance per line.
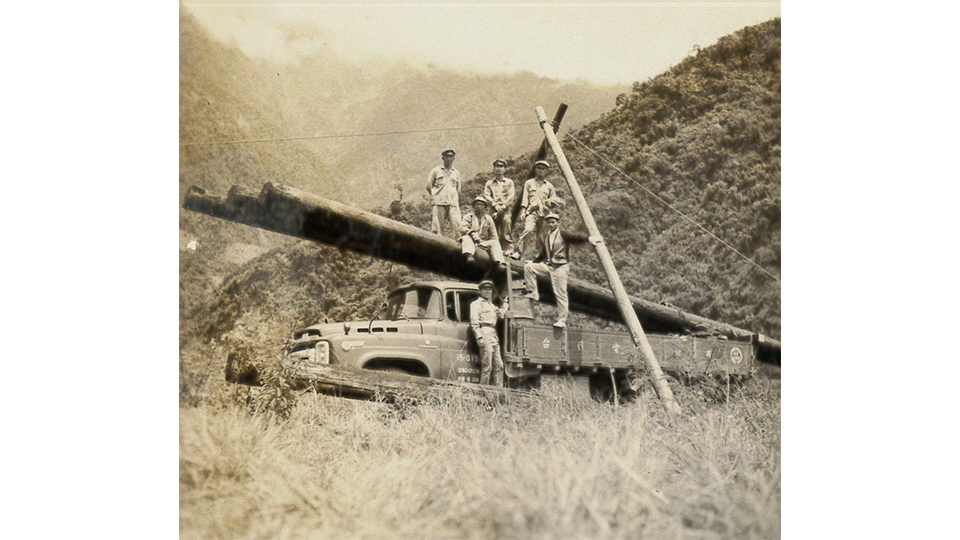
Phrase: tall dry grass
x=561 y=466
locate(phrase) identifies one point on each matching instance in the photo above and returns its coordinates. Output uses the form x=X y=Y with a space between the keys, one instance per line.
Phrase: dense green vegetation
x=705 y=137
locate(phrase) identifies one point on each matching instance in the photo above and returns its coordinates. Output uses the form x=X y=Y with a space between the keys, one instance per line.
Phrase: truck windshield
x=413 y=304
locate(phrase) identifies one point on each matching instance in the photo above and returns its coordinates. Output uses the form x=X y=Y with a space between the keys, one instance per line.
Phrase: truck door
x=460 y=348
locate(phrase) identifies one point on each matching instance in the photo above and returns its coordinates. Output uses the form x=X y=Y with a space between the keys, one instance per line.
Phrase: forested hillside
x=704 y=137
x=227 y=96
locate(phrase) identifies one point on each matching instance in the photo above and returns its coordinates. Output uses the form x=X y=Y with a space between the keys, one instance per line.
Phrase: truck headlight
x=318 y=353
x=322 y=352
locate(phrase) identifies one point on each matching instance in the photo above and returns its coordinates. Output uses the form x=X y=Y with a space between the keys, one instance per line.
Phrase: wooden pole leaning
x=623 y=300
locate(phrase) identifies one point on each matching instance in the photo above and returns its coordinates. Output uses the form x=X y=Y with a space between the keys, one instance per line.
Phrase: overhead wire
x=351 y=135
x=670 y=206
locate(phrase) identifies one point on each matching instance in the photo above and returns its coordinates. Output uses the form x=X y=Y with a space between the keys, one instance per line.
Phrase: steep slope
x=216 y=104
x=226 y=96
x=704 y=137
x=439 y=98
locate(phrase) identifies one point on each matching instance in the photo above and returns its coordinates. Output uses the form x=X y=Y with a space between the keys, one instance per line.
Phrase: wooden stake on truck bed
x=623 y=300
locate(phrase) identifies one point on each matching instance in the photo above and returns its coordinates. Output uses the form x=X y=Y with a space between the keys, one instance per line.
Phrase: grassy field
x=560 y=466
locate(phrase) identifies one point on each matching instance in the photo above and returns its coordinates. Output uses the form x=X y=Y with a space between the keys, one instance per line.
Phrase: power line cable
x=668 y=205
x=351 y=135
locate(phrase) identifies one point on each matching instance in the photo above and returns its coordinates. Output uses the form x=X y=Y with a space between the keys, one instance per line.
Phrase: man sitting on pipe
x=478 y=229
x=553 y=256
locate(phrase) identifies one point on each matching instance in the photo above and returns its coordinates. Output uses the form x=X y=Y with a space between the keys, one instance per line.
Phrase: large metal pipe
x=293 y=212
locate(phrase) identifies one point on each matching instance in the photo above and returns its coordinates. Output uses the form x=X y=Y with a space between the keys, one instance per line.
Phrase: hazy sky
x=600 y=42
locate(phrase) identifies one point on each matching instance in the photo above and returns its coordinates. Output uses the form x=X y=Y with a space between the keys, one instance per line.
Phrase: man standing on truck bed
x=477 y=229
x=537 y=192
x=501 y=192
x=483 y=320
x=553 y=256
x=443 y=187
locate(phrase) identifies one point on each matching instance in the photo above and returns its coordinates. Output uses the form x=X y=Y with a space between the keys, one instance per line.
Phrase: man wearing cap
x=533 y=203
x=483 y=320
x=501 y=192
x=553 y=257
x=478 y=229
x=443 y=187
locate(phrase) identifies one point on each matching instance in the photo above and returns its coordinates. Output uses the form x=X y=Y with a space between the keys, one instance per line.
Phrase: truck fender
x=412 y=364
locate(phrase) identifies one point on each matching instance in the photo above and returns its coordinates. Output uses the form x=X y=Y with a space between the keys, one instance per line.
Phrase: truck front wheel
x=391 y=369
x=395 y=365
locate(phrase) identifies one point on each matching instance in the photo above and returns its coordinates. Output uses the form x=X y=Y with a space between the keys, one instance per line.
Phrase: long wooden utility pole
x=623 y=300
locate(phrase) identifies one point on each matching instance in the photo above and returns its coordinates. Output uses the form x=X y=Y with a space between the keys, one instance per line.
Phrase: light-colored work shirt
x=486 y=228
x=535 y=196
x=484 y=313
x=444 y=186
x=501 y=194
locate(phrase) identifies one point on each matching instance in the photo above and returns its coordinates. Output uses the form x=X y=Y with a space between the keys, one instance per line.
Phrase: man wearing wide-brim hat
x=483 y=321
x=552 y=259
x=533 y=203
x=501 y=192
x=478 y=229
x=443 y=188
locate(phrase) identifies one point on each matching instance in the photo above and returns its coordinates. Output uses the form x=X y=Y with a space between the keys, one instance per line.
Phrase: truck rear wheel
x=602 y=388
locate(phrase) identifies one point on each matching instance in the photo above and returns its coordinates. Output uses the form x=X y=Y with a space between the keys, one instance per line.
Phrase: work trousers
x=558 y=279
x=469 y=247
x=491 y=363
x=504 y=224
x=528 y=237
x=445 y=214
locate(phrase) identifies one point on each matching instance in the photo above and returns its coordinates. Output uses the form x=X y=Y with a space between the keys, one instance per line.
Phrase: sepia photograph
x=479 y=270
x=506 y=269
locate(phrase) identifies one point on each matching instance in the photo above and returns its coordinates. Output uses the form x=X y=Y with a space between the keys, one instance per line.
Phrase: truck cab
x=423 y=329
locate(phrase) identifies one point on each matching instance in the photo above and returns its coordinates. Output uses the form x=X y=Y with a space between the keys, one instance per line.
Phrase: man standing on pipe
x=501 y=192
x=443 y=187
x=537 y=192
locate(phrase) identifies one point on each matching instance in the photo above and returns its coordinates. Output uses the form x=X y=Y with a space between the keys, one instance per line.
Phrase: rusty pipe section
x=290 y=211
